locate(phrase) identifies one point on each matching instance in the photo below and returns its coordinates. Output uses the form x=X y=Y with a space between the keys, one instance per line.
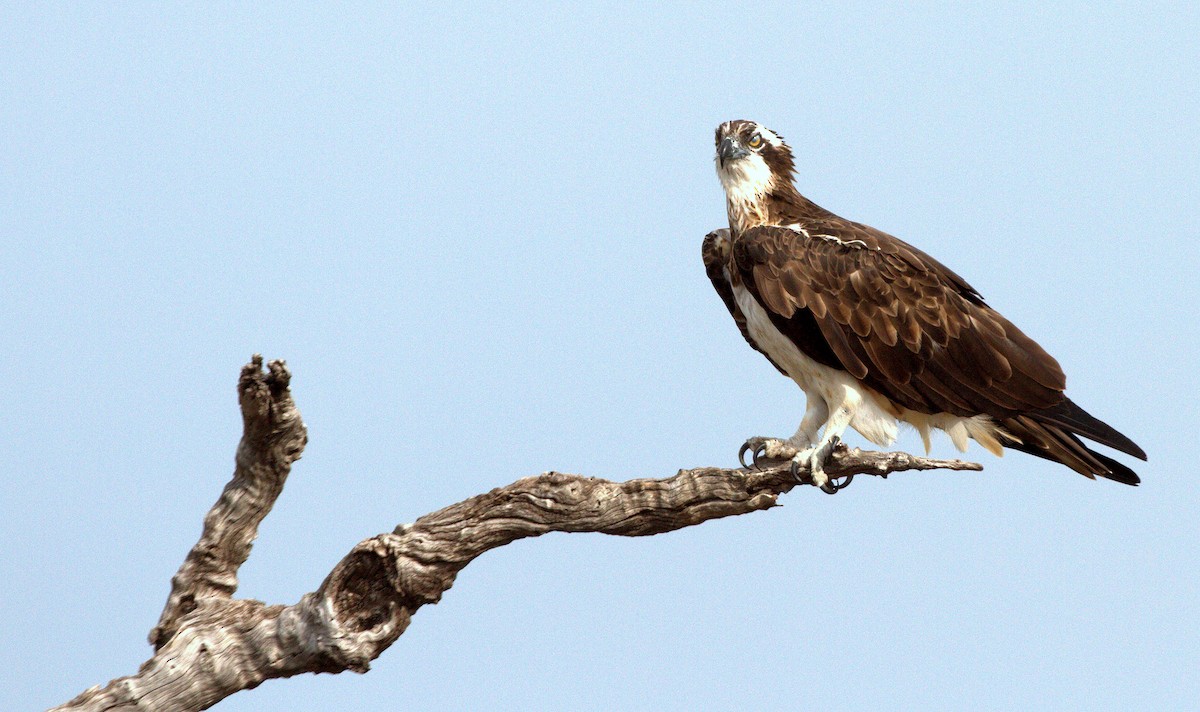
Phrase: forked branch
x=210 y=645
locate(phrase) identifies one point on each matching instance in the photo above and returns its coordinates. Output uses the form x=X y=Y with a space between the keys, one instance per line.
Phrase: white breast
x=807 y=373
x=838 y=388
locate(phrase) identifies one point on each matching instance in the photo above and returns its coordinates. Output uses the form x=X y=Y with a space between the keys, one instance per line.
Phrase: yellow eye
x=755 y=141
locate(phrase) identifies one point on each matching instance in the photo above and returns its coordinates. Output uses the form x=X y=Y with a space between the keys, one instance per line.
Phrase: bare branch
x=273 y=437
x=210 y=645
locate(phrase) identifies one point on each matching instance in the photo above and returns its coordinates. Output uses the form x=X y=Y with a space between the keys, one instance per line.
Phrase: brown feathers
x=900 y=315
x=716 y=254
x=856 y=299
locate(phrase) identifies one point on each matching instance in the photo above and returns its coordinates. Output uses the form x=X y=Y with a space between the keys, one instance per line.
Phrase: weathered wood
x=210 y=645
x=273 y=438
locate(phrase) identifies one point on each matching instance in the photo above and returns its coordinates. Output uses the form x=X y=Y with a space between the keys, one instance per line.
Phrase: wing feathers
x=885 y=329
x=716 y=252
x=845 y=352
x=1066 y=414
x=912 y=330
x=860 y=322
x=813 y=301
x=772 y=294
x=896 y=319
x=1051 y=442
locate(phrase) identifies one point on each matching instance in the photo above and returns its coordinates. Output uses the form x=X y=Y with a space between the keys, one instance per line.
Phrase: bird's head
x=752 y=160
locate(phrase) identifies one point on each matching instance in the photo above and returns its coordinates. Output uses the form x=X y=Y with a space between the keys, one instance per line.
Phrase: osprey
x=876 y=332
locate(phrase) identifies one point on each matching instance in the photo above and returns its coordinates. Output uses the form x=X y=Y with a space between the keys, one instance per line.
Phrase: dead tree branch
x=209 y=645
x=273 y=439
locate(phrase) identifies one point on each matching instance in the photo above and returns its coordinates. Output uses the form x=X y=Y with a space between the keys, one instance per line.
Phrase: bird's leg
x=785 y=449
x=815 y=415
x=816 y=456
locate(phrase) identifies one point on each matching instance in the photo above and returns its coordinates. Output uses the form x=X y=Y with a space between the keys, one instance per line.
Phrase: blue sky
x=474 y=234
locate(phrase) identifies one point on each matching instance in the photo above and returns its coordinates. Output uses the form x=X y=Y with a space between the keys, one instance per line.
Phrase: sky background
x=474 y=235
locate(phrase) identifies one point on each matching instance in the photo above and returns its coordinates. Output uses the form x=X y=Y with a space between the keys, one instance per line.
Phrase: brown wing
x=894 y=318
x=716 y=252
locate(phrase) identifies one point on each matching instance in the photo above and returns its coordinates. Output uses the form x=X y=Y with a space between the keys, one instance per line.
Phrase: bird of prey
x=876 y=332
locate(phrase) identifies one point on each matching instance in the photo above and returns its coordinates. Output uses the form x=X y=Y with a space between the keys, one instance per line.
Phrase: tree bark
x=209 y=645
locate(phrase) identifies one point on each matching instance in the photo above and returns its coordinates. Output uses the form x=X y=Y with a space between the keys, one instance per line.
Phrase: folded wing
x=855 y=298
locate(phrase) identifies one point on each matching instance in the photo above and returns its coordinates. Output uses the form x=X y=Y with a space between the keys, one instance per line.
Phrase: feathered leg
x=816 y=413
x=816 y=455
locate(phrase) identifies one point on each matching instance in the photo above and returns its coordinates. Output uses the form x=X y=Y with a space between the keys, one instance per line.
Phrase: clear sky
x=474 y=234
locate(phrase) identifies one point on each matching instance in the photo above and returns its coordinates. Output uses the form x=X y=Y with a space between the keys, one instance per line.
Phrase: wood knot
x=363 y=597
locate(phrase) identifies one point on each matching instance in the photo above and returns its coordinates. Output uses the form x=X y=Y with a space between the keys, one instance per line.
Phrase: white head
x=752 y=161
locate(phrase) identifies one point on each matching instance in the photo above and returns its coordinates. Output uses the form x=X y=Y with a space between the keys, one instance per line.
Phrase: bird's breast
x=807 y=373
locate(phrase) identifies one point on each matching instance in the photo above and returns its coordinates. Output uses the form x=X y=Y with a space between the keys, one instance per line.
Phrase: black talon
x=796 y=472
x=759 y=452
x=827 y=451
x=757 y=447
x=742 y=454
x=822 y=456
x=832 y=487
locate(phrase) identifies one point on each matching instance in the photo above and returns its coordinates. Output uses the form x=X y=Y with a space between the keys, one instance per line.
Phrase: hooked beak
x=730 y=150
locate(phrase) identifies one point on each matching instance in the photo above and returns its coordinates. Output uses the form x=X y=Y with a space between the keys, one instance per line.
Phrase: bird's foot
x=814 y=458
x=765 y=449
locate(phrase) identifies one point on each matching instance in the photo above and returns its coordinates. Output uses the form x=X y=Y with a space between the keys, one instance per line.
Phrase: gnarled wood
x=210 y=645
x=273 y=438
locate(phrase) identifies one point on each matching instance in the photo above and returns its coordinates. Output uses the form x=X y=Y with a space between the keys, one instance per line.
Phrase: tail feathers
x=1117 y=471
x=1053 y=441
x=1074 y=419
